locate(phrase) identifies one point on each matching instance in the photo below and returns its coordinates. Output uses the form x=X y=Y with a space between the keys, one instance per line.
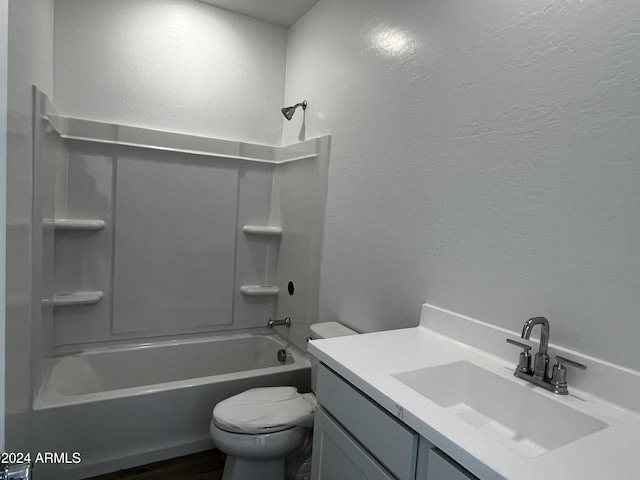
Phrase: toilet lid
x=264 y=410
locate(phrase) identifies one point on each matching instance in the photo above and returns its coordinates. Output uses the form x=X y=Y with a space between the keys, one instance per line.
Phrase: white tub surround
x=71 y=128
x=607 y=394
x=153 y=233
x=123 y=406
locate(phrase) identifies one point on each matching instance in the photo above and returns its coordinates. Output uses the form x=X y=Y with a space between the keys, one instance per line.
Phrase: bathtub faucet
x=276 y=323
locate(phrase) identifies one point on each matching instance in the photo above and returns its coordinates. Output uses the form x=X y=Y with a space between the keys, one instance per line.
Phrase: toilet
x=258 y=428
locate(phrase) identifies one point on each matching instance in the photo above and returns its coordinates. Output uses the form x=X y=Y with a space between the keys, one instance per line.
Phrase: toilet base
x=236 y=468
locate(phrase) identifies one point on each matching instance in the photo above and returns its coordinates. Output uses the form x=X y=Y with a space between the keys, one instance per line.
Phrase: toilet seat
x=265 y=410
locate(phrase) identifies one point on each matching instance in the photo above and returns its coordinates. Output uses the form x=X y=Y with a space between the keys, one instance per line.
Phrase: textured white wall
x=176 y=65
x=4 y=27
x=485 y=158
x=30 y=62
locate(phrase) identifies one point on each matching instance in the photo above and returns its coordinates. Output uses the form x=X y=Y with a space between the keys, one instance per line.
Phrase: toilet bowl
x=258 y=428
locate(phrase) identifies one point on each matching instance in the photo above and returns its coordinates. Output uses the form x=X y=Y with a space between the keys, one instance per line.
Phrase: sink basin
x=512 y=413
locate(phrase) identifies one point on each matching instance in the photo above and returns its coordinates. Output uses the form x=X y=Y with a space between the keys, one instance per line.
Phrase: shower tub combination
x=122 y=406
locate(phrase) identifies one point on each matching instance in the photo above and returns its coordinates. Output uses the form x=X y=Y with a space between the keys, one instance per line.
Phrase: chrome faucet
x=541 y=360
x=538 y=375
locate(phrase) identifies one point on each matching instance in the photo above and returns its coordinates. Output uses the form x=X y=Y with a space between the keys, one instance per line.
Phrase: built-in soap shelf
x=259 y=290
x=81 y=297
x=264 y=230
x=78 y=224
x=77 y=298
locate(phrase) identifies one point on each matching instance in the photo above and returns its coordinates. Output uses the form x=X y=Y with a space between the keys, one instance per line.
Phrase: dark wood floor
x=198 y=466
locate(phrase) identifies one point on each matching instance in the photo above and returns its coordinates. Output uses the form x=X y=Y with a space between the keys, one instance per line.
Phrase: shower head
x=289 y=111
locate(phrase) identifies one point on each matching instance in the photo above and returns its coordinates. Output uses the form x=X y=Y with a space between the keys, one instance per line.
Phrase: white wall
x=176 y=65
x=30 y=61
x=485 y=158
x=4 y=7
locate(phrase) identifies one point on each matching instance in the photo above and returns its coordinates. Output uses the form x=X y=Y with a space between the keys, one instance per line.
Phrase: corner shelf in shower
x=264 y=230
x=259 y=290
x=77 y=224
x=77 y=298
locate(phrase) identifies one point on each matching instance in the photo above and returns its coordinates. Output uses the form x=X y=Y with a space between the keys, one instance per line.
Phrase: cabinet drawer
x=387 y=439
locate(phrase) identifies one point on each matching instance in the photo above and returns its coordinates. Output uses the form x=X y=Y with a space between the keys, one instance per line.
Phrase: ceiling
x=280 y=12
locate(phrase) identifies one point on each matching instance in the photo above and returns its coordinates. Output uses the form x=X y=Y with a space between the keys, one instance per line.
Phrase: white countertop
x=369 y=360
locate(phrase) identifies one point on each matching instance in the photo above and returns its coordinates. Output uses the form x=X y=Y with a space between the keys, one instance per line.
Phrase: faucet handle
x=519 y=344
x=559 y=375
x=524 y=365
x=573 y=363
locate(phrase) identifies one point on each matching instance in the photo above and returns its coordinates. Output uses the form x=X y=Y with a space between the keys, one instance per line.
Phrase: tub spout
x=276 y=323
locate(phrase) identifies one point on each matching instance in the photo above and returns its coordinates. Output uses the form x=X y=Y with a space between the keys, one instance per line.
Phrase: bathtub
x=109 y=408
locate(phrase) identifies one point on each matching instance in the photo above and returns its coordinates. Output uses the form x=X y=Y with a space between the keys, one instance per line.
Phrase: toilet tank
x=325 y=330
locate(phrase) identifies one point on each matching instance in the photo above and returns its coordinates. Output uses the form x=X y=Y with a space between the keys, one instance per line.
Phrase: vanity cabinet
x=338 y=456
x=355 y=439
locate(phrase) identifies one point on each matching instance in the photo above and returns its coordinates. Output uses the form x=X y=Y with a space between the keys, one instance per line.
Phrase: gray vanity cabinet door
x=387 y=439
x=441 y=467
x=337 y=456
